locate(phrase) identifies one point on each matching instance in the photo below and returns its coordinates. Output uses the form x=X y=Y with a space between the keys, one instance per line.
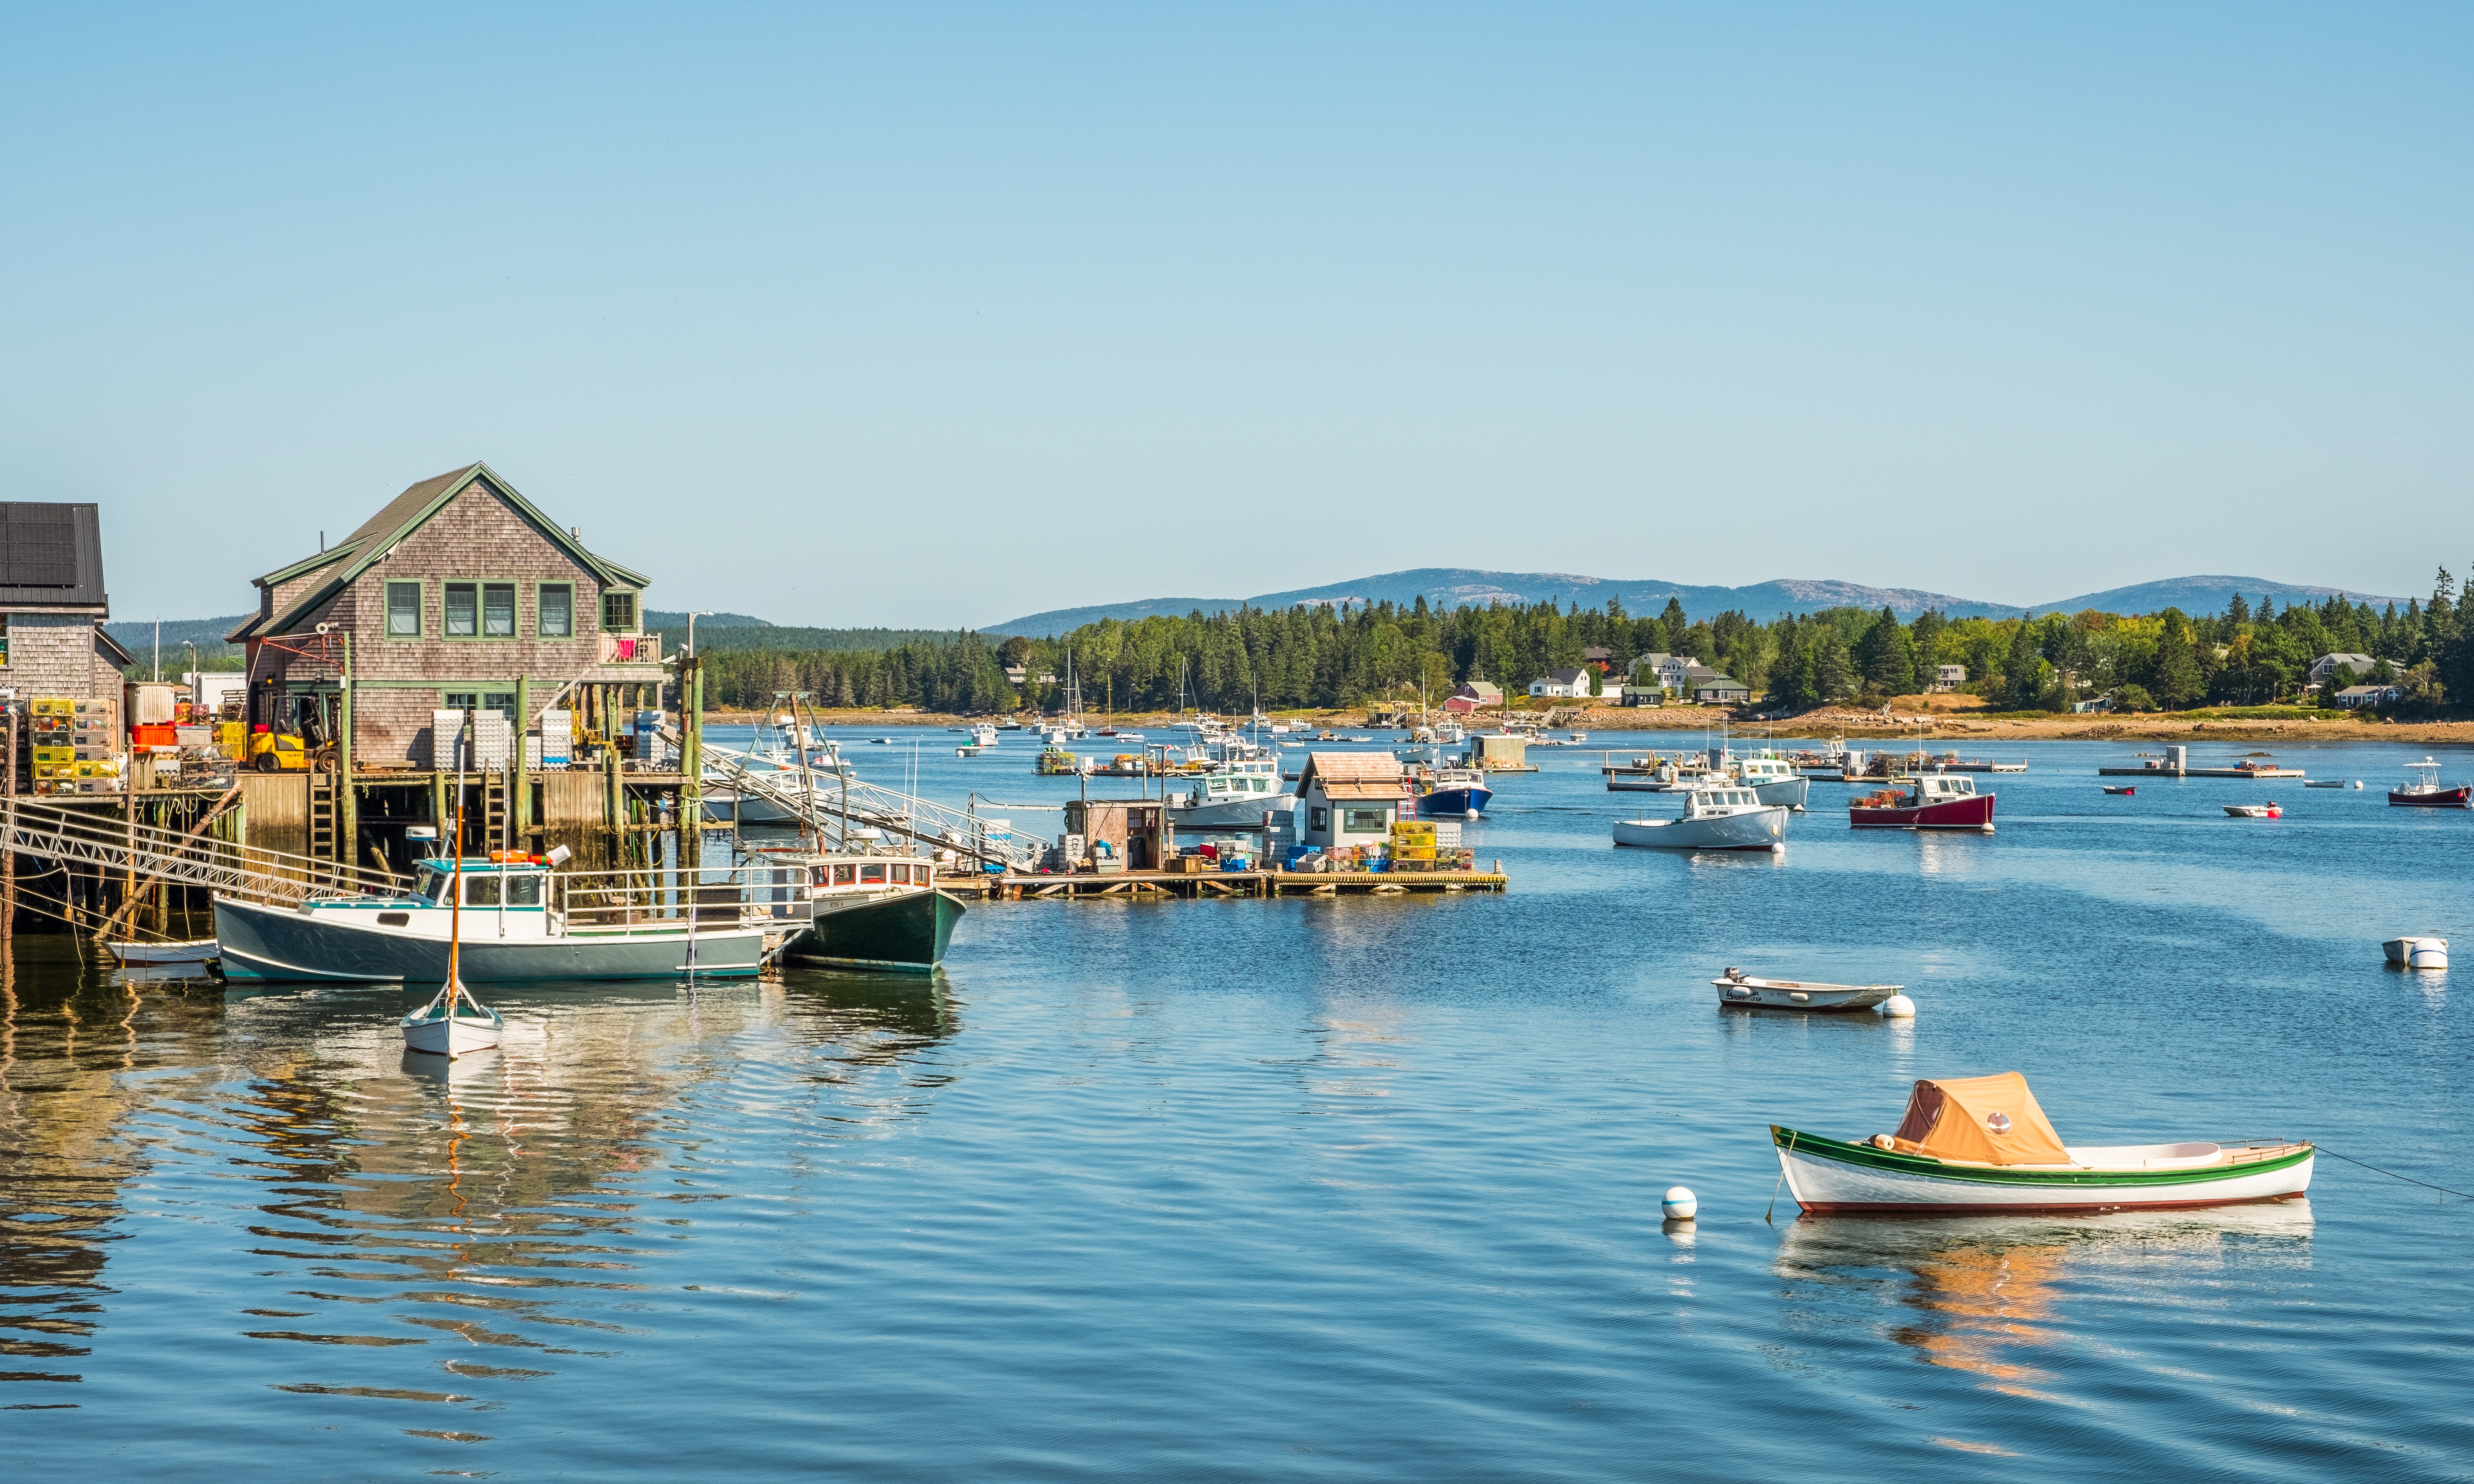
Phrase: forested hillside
x=1320 y=656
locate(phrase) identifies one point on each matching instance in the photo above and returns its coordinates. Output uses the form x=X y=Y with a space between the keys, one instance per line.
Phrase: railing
x=630 y=648
x=843 y=803
x=663 y=901
x=274 y=877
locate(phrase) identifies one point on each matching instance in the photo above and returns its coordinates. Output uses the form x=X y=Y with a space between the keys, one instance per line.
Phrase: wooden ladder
x=494 y=814
x=323 y=835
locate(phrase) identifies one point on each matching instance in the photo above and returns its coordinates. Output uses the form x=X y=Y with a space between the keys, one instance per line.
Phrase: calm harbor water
x=1361 y=1190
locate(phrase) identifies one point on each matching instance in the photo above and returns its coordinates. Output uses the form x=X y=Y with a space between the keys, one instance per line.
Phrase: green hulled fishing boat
x=867 y=911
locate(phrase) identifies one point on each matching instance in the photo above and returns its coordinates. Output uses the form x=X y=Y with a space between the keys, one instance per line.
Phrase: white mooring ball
x=1681 y=1204
x=1898 y=1007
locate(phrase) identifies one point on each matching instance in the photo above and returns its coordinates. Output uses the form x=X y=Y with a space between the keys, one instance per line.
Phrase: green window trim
x=419 y=620
x=542 y=609
x=477 y=596
x=1367 y=822
x=620 y=613
x=4 y=641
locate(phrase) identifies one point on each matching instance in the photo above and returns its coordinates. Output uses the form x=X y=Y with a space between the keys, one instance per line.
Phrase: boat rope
x=2393 y=1175
x=1782 y=1179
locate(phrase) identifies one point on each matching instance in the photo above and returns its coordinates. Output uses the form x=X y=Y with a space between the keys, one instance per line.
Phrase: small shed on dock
x=1135 y=830
x=1351 y=798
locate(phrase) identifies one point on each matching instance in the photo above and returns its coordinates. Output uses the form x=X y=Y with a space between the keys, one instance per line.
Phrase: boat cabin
x=487 y=883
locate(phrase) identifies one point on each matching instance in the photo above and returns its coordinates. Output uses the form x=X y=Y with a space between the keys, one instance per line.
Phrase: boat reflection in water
x=1985 y=1294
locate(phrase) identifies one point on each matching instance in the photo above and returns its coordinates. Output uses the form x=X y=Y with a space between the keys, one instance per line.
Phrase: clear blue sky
x=937 y=314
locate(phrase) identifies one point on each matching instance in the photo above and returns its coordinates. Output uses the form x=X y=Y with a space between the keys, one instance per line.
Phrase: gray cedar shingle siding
x=479 y=536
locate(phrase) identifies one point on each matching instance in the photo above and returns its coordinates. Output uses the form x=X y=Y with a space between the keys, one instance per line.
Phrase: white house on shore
x=2326 y=665
x=1561 y=684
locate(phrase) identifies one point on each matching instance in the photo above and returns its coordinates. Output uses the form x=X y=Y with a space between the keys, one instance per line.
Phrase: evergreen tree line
x=1325 y=657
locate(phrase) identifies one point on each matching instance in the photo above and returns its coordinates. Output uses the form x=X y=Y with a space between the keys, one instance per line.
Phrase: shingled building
x=459 y=594
x=53 y=604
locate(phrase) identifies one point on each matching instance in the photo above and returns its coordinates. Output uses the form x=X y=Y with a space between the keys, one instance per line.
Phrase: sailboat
x=453 y=1024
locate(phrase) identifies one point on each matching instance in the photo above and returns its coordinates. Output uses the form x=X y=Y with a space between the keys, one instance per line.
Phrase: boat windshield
x=430 y=884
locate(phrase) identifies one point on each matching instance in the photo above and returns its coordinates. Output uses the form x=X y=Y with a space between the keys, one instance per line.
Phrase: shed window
x=1321 y=819
x=557 y=611
x=502 y=702
x=1367 y=821
x=498 y=611
x=463 y=610
x=404 y=610
x=619 y=612
x=461 y=701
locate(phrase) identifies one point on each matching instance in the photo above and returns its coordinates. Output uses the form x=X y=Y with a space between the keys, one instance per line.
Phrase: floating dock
x=2199 y=772
x=1083 y=886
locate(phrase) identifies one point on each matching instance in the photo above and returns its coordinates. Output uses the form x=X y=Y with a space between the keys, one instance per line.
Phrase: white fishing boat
x=1982 y=1145
x=2416 y=952
x=1240 y=788
x=1774 y=781
x=1748 y=992
x=453 y=1024
x=2269 y=810
x=188 y=950
x=1721 y=818
x=984 y=736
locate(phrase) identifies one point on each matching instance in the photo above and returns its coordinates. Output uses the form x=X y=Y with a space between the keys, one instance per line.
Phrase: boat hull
x=1972 y=812
x=2462 y=797
x=1754 y=829
x=1750 y=994
x=194 y=950
x=278 y=943
x=1232 y=813
x=1465 y=802
x=458 y=1036
x=1826 y=1176
x=1786 y=793
x=904 y=932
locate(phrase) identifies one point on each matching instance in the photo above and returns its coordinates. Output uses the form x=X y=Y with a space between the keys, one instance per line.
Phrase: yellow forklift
x=305 y=741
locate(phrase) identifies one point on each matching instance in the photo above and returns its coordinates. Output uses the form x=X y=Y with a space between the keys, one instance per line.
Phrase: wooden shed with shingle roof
x=1351 y=798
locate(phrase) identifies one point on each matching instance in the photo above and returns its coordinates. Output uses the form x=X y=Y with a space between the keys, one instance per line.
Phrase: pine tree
x=2021 y=674
x=2178 y=683
x=1834 y=677
x=1889 y=662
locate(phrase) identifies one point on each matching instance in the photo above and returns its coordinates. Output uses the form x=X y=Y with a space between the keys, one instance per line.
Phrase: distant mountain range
x=1458 y=587
x=1443 y=587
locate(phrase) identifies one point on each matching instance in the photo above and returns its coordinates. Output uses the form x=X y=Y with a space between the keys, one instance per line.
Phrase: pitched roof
x=50 y=555
x=1479 y=688
x=399 y=518
x=1567 y=677
x=1353 y=774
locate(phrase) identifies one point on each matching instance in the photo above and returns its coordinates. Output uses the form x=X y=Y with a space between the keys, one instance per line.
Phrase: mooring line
x=2393 y=1175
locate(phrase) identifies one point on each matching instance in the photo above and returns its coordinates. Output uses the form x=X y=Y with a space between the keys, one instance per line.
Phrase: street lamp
x=691 y=618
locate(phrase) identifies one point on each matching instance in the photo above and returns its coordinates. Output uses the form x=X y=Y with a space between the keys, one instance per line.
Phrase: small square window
x=498 y=610
x=557 y=611
x=1367 y=821
x=404 y=610
x=463 y=610
x=502 y=702
x=617 y=613
x=460 y=701
x=1321 y=819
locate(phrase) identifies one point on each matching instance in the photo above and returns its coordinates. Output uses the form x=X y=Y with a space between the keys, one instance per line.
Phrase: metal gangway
x=841 y=804
x=148 y=854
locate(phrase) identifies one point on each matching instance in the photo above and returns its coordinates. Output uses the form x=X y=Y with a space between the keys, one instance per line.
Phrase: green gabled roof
x=401 y=517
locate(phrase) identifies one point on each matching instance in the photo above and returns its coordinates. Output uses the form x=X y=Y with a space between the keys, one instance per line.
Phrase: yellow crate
x=55 y=705
x=44 y=755
x=1414 y=832
x=1415 y=852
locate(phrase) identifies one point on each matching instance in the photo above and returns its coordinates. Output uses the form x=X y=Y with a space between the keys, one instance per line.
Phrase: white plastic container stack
x=493 y=742
x=446 y=729
x=557 y=739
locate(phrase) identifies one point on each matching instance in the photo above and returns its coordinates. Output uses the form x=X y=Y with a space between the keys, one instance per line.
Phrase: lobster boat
x=2126 y=790
x=1982 y=1144
x=1715 y=819
x=2425 y=790
x=2270 y=810
x=1935 y=801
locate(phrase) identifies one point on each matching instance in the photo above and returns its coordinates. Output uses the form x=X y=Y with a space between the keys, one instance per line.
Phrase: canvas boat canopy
x=1983 y=1120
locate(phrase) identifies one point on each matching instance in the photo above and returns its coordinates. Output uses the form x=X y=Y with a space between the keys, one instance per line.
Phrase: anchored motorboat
x=2270 y=810
x=1935 y=801
x=1747 y=992
x=1982 y=1145
x=1722 y=817
x=1774 y=781
x=2424 y=789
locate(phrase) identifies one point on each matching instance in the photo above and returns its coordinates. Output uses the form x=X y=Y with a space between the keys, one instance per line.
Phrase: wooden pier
x=1136 y=885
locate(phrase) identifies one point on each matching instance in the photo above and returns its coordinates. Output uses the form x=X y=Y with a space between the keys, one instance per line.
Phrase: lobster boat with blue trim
x=1982 y=1145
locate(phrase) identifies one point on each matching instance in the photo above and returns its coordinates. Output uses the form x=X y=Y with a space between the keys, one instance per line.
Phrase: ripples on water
x=1315 y=1189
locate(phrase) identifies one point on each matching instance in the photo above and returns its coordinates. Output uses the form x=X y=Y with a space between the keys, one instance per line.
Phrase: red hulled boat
x=2426 y=790
x=1935 y=801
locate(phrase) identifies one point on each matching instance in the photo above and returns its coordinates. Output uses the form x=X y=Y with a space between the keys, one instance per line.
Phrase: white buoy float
x=1898 y=1007
x=1681 y=1204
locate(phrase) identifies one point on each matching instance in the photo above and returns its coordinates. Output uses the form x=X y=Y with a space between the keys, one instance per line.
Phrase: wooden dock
x=2199 y=772
x=1135 y=885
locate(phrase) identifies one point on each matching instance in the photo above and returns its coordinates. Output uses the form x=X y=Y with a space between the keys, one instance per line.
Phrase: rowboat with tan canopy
x=1982 y=1145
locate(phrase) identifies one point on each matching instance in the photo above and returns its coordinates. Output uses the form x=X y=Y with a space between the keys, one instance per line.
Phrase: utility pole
x=347 y=802
x=691 y=759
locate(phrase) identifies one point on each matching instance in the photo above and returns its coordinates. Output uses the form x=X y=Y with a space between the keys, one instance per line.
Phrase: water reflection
x=505 y=1205
x=1986 y=1294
